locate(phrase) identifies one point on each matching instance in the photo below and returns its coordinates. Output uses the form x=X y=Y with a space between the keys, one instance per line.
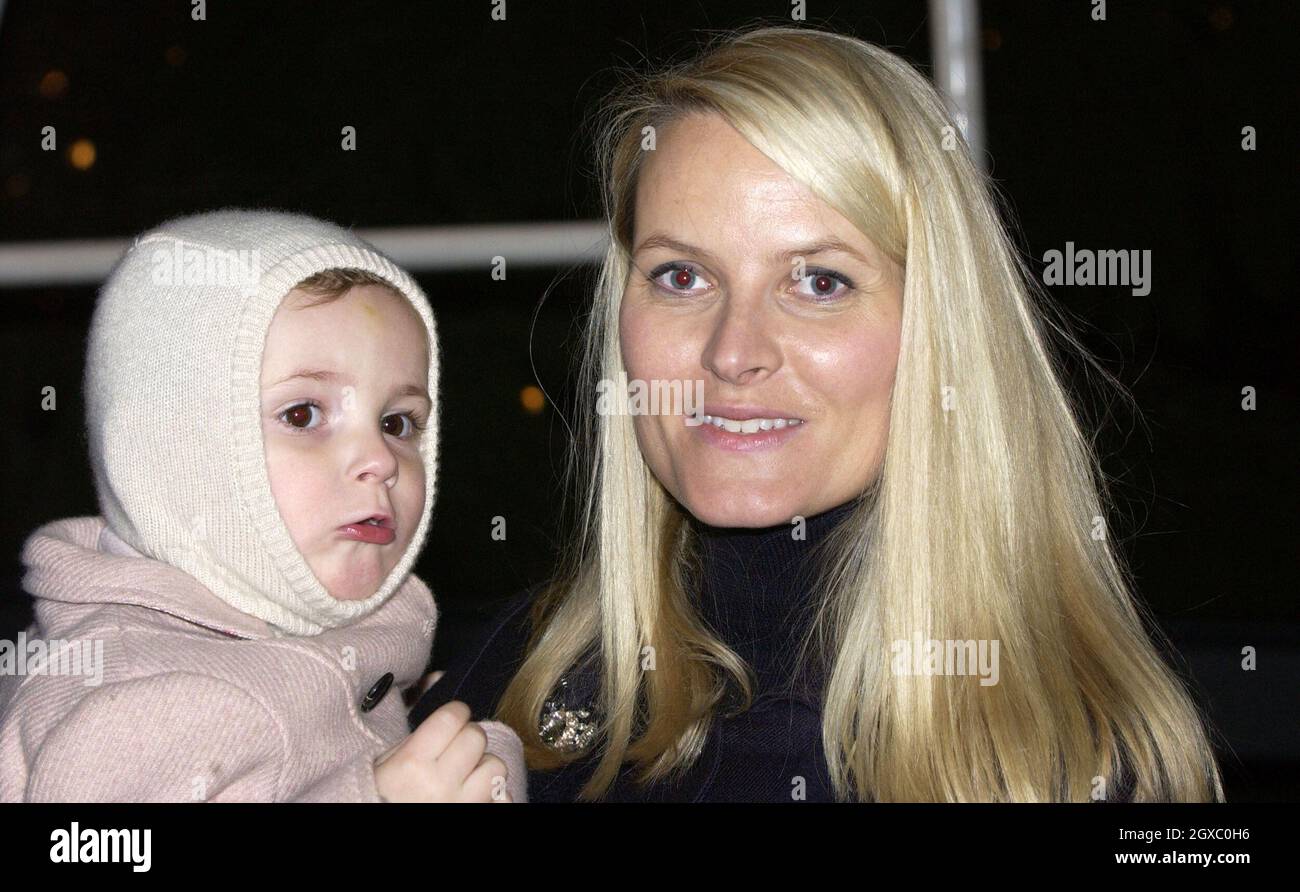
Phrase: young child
x=240 y=623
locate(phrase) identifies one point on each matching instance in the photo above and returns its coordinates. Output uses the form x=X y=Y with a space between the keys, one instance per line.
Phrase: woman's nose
x=741 y=347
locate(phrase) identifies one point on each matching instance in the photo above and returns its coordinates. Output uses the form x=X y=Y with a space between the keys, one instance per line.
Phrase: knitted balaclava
x=172 y=386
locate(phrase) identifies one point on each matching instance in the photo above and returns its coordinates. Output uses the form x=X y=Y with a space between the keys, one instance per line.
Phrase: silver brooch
x=563 y=727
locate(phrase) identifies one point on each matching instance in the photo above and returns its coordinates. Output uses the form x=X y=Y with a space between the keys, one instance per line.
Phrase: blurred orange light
x=81 y=154
x=532 y=399
x=54 y=84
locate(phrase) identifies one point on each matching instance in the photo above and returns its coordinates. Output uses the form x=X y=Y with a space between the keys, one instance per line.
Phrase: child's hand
x=443 y=760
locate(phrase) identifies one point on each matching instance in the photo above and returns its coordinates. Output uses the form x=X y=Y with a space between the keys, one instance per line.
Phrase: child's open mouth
x=377 y=529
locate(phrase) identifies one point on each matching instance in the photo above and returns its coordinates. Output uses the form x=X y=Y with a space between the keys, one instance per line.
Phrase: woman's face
x=788 y=314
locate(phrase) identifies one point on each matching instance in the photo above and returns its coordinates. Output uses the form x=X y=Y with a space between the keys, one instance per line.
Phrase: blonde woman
x=878 y=569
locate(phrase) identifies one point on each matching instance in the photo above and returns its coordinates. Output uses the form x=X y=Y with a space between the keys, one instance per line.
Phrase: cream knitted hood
x=173 y=373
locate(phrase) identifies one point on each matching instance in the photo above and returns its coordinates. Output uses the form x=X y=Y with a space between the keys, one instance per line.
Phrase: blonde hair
x=982 y=523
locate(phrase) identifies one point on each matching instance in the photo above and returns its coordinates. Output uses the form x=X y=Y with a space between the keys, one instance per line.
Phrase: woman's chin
x=730 y=507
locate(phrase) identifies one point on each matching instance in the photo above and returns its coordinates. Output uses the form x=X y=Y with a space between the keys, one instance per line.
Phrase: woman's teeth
x=750 y=425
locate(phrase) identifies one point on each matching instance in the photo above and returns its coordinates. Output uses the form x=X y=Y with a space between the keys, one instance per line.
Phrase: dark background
x=1118 y=134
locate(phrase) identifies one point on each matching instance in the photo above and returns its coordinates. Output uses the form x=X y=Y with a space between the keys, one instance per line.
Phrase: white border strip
x=419 y=249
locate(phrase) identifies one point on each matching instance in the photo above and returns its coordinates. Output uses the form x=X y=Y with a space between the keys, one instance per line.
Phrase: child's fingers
x=435 y=733
x=463 y=754
x=488 y=782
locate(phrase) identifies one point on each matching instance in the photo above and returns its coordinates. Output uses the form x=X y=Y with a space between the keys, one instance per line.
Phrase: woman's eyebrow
x=660 y=240
x=821 y=246
x=329 y=376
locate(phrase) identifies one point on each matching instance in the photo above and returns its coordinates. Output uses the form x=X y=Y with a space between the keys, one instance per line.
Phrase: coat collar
x=78 y=560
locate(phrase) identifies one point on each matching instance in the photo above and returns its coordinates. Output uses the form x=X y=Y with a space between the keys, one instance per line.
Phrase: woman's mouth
x=748 y=434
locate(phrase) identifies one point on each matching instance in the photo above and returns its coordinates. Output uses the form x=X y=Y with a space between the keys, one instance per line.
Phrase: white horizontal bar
x=955 y=47
x=417 y=248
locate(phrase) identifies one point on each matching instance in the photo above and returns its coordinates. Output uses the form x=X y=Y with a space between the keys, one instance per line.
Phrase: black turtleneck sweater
x=755 y=591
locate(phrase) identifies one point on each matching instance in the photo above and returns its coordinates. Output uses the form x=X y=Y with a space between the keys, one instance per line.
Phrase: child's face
x=344 y=445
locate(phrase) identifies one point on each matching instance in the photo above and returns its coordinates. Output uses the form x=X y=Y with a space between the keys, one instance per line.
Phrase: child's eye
x=413 y=425
x=299 y=416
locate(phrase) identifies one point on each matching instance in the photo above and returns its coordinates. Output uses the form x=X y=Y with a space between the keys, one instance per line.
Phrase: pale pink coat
x=197 y=700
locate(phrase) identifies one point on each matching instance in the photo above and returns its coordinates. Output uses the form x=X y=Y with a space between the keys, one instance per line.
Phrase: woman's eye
x=677 y=278
x=823 y=285
x=299 y=416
